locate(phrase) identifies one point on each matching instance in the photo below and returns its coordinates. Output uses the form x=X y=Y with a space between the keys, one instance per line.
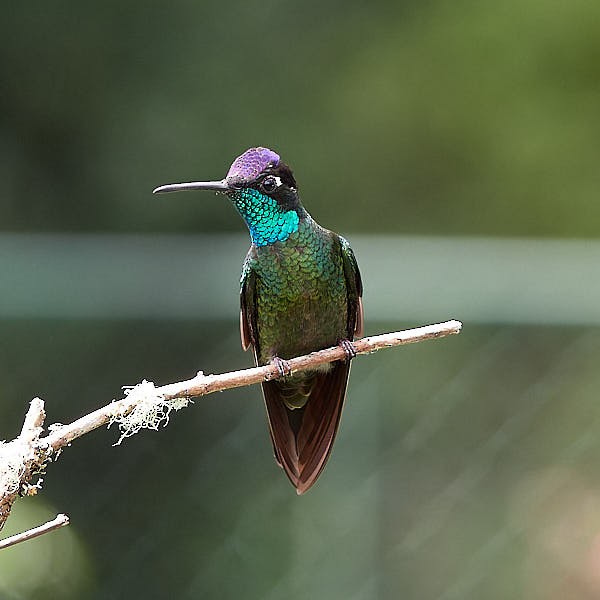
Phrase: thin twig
x=56 y=523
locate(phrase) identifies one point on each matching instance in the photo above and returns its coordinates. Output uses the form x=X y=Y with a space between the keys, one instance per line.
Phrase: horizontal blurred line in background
x=407 y=278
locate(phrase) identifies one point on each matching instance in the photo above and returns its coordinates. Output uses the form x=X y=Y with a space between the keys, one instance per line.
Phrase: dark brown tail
x=303 y=437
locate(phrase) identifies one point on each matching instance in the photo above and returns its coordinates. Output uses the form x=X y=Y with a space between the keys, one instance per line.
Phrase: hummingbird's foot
x=349 y=349
x=283 y=366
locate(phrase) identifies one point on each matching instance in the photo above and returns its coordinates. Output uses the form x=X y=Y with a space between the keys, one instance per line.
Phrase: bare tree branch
x=201 y=384
x=56 y=523
x=147 y=406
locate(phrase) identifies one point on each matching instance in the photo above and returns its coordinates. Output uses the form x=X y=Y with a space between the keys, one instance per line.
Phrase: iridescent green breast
x=301 y=298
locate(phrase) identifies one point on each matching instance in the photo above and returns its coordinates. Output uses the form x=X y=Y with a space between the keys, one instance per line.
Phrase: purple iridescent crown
x=247 y=166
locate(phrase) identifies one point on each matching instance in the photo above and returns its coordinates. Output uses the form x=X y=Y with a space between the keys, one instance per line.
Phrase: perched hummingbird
x=301 y=291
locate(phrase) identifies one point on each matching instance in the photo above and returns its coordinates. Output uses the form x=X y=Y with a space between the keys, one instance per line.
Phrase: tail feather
x=303 y=438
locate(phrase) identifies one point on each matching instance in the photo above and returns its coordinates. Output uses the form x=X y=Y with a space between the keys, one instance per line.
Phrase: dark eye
x=269 y=184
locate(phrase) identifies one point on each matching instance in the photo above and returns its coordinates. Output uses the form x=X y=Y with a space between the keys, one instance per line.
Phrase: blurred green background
x=456 y=144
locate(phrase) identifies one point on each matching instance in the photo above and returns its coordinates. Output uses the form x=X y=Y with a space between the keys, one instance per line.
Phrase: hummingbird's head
x=258 y=169
x=263 y=170
x=263 y=189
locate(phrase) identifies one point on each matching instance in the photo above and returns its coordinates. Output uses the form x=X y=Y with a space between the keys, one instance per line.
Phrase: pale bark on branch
x=56 y=523
x=27 y=455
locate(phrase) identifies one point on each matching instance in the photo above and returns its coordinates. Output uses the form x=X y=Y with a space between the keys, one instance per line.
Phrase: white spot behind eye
x=277 y=181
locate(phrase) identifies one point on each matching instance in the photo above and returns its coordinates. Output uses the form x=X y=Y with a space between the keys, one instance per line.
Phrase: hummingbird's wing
x=354 y=290
x=248 y=303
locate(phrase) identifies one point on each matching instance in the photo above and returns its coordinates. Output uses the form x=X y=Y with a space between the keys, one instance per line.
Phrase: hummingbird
x=300 y=291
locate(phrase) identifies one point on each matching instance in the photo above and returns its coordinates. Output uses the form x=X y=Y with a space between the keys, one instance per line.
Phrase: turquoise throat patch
x=267 y=221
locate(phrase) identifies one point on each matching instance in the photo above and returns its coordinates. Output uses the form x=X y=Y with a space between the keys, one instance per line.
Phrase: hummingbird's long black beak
x=216 y=186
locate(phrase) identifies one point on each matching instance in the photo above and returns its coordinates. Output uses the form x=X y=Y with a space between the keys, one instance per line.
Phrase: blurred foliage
x=464 y=468
x=468 y=117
